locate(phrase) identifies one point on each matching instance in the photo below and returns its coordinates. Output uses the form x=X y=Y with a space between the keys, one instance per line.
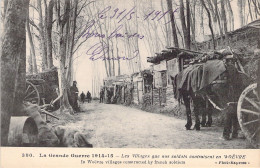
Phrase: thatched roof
x=171 y=53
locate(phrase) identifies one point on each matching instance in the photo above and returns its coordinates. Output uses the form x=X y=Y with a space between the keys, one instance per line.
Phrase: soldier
x=82 y=97
x=101 y=96
x=74 y=96
x=89 y=96
x=236 y=84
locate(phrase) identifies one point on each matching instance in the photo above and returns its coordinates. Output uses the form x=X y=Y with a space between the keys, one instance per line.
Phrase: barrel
x=23 y=131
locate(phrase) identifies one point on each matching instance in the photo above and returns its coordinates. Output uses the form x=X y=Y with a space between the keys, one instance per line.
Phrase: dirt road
x=117 y=126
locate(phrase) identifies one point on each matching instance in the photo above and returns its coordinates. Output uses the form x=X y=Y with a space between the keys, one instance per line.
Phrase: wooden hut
x=142 y=84
x=114 y=88
x=168 y=62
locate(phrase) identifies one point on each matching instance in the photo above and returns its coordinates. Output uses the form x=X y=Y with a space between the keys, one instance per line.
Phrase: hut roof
x=118 y=80
x=172 y=52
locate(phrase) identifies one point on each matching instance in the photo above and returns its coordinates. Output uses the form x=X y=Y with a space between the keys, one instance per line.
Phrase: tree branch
x=83 y=6
x=33 y=24
x=30 y=5
x=79 y=45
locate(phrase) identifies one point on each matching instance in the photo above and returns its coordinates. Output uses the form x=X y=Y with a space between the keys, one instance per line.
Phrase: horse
x=216 y=80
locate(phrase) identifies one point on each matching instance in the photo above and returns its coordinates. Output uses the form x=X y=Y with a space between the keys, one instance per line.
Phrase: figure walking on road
x=101 y=96
x=82 y=97
x=88 y=96
x=73 y=97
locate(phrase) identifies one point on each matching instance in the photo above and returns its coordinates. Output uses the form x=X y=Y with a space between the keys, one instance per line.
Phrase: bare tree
x=210 y=23
x=42 y=37
x=240 y=5
x=185 y=26
x=32 y=49
x=63 y=27
x=218 y=17
x=48 y=26
x=223 y=16
x=174 y=33
x=231 y=15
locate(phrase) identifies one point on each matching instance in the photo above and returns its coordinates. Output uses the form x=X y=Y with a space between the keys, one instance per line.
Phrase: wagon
x=248 y=104
x=41 y=88
x=33 y=91
x=248 y=113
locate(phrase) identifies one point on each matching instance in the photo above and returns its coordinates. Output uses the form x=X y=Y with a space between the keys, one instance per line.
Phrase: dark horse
x=216 y=79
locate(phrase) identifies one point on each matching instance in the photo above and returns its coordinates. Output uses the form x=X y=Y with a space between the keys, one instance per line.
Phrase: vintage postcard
x=137 y=83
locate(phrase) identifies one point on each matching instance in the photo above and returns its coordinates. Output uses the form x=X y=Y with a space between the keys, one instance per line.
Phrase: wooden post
x=152 y=94
x=160 y=96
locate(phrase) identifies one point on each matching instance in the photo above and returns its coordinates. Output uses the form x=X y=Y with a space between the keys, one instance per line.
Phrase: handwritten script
x=100 y=49
x=89 y=33
x=128 y=15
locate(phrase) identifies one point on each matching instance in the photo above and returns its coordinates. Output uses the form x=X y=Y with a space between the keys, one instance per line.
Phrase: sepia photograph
x=160 y=74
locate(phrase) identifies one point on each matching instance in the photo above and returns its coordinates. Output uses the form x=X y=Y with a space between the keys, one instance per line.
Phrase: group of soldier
x=87 y=96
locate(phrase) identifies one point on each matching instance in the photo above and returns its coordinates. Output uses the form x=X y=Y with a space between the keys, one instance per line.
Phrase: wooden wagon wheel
x=31 y=95
x=248 y=113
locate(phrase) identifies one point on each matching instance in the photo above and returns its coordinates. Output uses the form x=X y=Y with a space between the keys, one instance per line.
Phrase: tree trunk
x=30 y=61
x=167 y=33
x=108 y=53
x=63 y=25
x=5 y=7
x=30 y=68
x=250 y=10
x=100 y=39
x=118 y=61
x=214 y=15
x=174 y=32
x=240 y=11
x=137 y=41
x=218 y=18
x=231 y=15
x=32 y=54
x=223 y=16
x=42 y=38
x=202 y=20
x=71 y=41
x=188 y=23
x=49 y=32
x=210 y=24
x=13 y=63
x=185 y=27
x=193 y=24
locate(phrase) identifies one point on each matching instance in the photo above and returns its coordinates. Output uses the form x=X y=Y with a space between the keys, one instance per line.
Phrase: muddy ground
x=117 y=126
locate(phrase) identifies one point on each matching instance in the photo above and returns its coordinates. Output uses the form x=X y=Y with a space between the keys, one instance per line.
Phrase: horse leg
x=227 y=123
x=235 y=123
x=204 y=117
x=209 y=122
x=188 y=111
x=197 y=108
x=204 y=111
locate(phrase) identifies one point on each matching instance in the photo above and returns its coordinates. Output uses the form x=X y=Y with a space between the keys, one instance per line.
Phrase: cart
x=34 y=91
x=248 y=104
x=248 y=113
